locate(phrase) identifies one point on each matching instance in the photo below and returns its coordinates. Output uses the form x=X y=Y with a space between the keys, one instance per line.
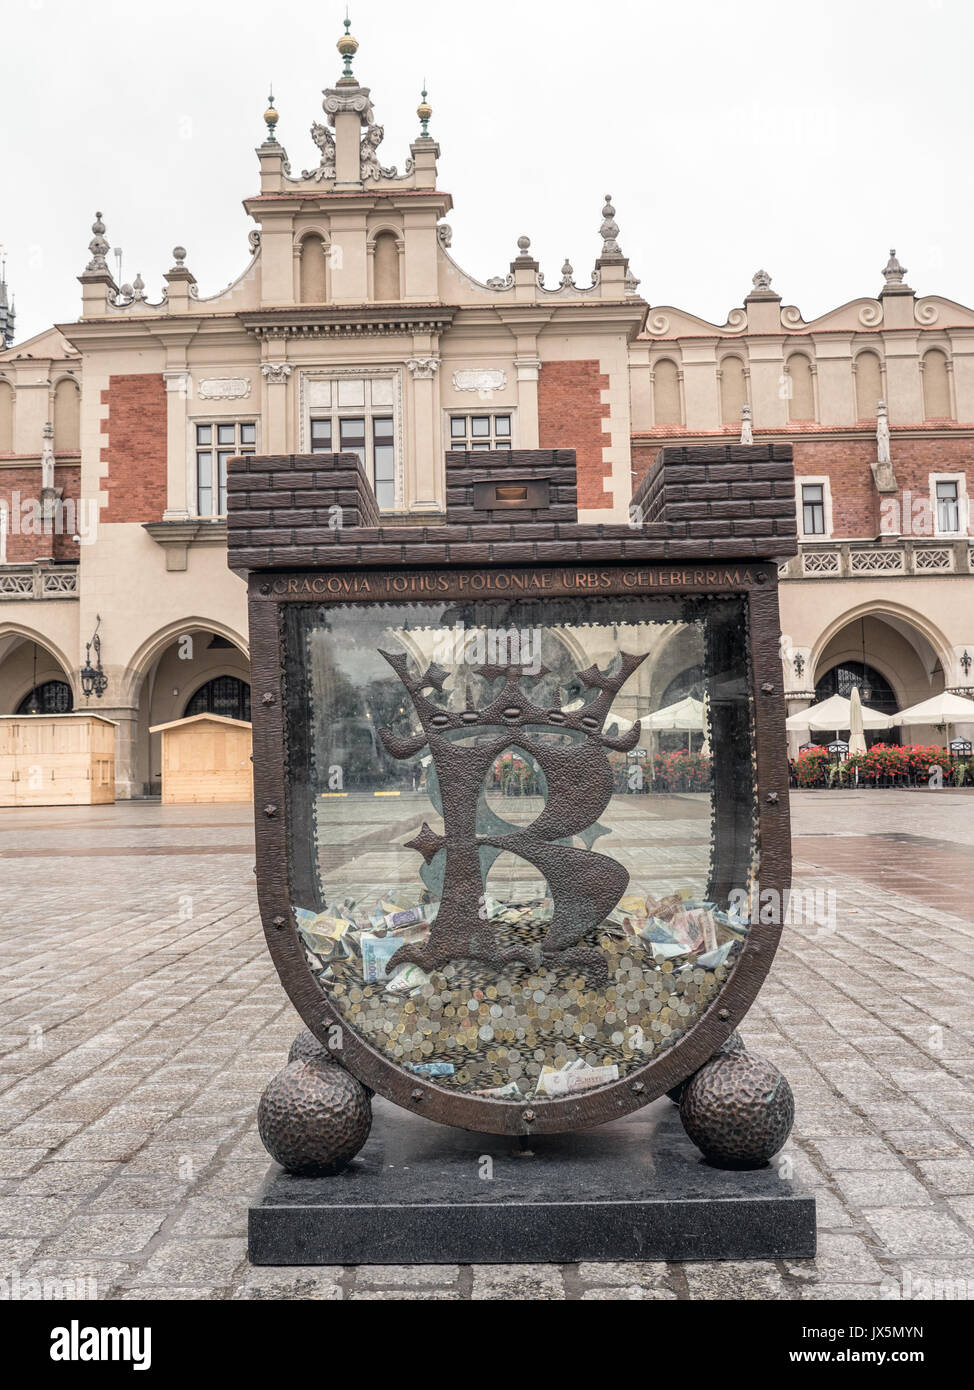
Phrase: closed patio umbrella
x=857 y=739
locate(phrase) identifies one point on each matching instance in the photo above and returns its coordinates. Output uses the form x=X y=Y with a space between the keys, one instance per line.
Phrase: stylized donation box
x=521 y=795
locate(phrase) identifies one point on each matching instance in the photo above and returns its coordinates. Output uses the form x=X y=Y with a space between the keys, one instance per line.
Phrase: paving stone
x=117 y=1233
x=628 y=1292
x=919 y=1231
x=759 y=1279
x=624 y=1272
x=513 y=1282
x=881 y=1187
x=952 y=1176
x=418 y=1276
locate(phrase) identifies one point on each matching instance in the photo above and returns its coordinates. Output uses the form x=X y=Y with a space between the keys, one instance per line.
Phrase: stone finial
x=747 y=434
x=567 y=275
x=138 y=289
x=882 y=469
x=347 y=47
x=894 y=274
x=523 y=247
x=424 y=111
x=609 y=231
x=48 y=493
x=179 y=271
x=882 y=433
x=271 y=118
x=8 y=313
x=98 y=246
x=761 y=280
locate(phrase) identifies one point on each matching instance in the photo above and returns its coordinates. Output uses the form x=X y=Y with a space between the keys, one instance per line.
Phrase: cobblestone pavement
x=141 y=1018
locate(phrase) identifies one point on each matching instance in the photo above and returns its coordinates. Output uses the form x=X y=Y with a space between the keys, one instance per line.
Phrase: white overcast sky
x=803 y=139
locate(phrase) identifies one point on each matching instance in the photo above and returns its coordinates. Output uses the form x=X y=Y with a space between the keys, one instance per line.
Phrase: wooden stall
x=57 y=759
x=206 y=758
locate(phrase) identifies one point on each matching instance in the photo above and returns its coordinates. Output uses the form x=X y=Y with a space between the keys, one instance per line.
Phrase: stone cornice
x=348 y=321
x=782 y=435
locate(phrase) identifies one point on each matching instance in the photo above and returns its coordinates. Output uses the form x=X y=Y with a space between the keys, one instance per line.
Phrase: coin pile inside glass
x=538 y=1031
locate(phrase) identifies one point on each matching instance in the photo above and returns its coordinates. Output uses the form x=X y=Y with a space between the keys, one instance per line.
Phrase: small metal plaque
x=521 y=495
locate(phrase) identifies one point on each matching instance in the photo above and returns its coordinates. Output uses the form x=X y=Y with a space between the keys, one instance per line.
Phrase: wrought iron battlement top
x=317 y=511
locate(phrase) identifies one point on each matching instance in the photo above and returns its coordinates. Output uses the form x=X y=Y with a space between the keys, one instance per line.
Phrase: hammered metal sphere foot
x=738 y=1110
x=307 y=1048
x=313 y=1118
x=735 y=1043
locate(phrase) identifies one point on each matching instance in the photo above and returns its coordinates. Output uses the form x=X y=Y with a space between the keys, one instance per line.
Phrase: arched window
x=667 y=408
x=869 y=385
x=6 y=418
x=733 y=390
x=225 y=695
x=801 y=403
x=936 y=387
x=67 y=416
x=841 y=679
x=312 y=271
x=385 y=270
x=692 y=682
x=53 y=697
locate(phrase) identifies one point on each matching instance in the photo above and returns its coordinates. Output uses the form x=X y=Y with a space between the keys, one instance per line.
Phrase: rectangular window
x=361 y=421
x=216 y=443
x=480 y=432
x=384 y=456
x=813 y=509
x=948 y=506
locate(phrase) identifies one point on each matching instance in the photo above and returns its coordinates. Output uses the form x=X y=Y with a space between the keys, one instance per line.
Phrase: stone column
x=424 y=485
x=274 y=397
x=528 y=368
x=179 y=384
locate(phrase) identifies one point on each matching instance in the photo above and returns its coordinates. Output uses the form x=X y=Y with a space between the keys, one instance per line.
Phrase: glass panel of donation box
x=516 y=871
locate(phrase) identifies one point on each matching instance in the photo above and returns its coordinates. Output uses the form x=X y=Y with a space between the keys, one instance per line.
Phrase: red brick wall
x=570 y=416
x=22 y=484
x=135 y=450
x=855 y=501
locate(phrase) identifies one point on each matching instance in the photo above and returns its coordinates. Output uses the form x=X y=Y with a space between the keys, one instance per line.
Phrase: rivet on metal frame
x=278 y=922
x=267 y=698
x=265 y=588
x=416 y=1095
x=723 y=1014
x=527 y=1116
x=638 y=1087
x=772 y=798
x=766 y=689
x=270 y=811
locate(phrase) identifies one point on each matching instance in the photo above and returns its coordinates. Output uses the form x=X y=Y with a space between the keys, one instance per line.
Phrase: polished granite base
x=424 y=1193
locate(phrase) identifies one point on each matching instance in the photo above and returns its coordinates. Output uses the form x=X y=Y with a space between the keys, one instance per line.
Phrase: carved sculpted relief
x=224 y=388
x=482 y=379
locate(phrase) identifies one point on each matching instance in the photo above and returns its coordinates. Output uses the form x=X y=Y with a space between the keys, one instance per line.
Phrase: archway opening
x=891 y=662
x=32 y=679
x=198 y=672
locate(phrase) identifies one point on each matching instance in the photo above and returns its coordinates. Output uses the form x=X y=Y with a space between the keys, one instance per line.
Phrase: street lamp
x=93 y=678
